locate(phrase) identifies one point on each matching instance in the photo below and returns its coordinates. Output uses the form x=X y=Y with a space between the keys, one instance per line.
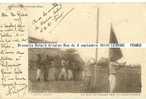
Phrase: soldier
x=46 y=67
x=52 y=71
x=115 y=54
x=38 y=72
x=113 y=67
x=63 y=72
x=69 y=74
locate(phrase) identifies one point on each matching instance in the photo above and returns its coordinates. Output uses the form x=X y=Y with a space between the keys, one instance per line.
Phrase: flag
x=114 y=53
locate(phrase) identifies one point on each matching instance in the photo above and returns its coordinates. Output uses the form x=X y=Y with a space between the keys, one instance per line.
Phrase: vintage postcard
x=73 y=50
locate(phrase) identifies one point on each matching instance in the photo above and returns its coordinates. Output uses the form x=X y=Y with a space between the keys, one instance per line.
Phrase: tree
x=75 y=63
x=103 y=62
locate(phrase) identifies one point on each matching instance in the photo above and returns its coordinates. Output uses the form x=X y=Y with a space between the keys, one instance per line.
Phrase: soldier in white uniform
x=38 y=71
x=113 y=67
x=69 y=74
x=112 y=76
x=63 y=72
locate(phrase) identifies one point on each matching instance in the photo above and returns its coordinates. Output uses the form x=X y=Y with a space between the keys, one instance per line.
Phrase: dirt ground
x=128 y=81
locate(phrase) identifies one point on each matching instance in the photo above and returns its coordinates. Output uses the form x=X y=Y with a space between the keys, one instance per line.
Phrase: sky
x=129 y=22
x=129 y=25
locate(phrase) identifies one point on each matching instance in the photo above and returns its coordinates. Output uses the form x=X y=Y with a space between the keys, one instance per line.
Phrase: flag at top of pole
x=114 y=53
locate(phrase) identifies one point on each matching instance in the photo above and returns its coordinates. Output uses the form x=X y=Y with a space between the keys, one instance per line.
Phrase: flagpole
x=97 y=29
x=96 y=52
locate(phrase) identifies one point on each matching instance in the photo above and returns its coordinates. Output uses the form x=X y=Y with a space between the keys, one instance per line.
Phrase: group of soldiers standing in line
x=57 y=69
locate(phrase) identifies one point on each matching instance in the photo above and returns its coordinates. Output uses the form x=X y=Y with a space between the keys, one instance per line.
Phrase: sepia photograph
x=86 y=70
